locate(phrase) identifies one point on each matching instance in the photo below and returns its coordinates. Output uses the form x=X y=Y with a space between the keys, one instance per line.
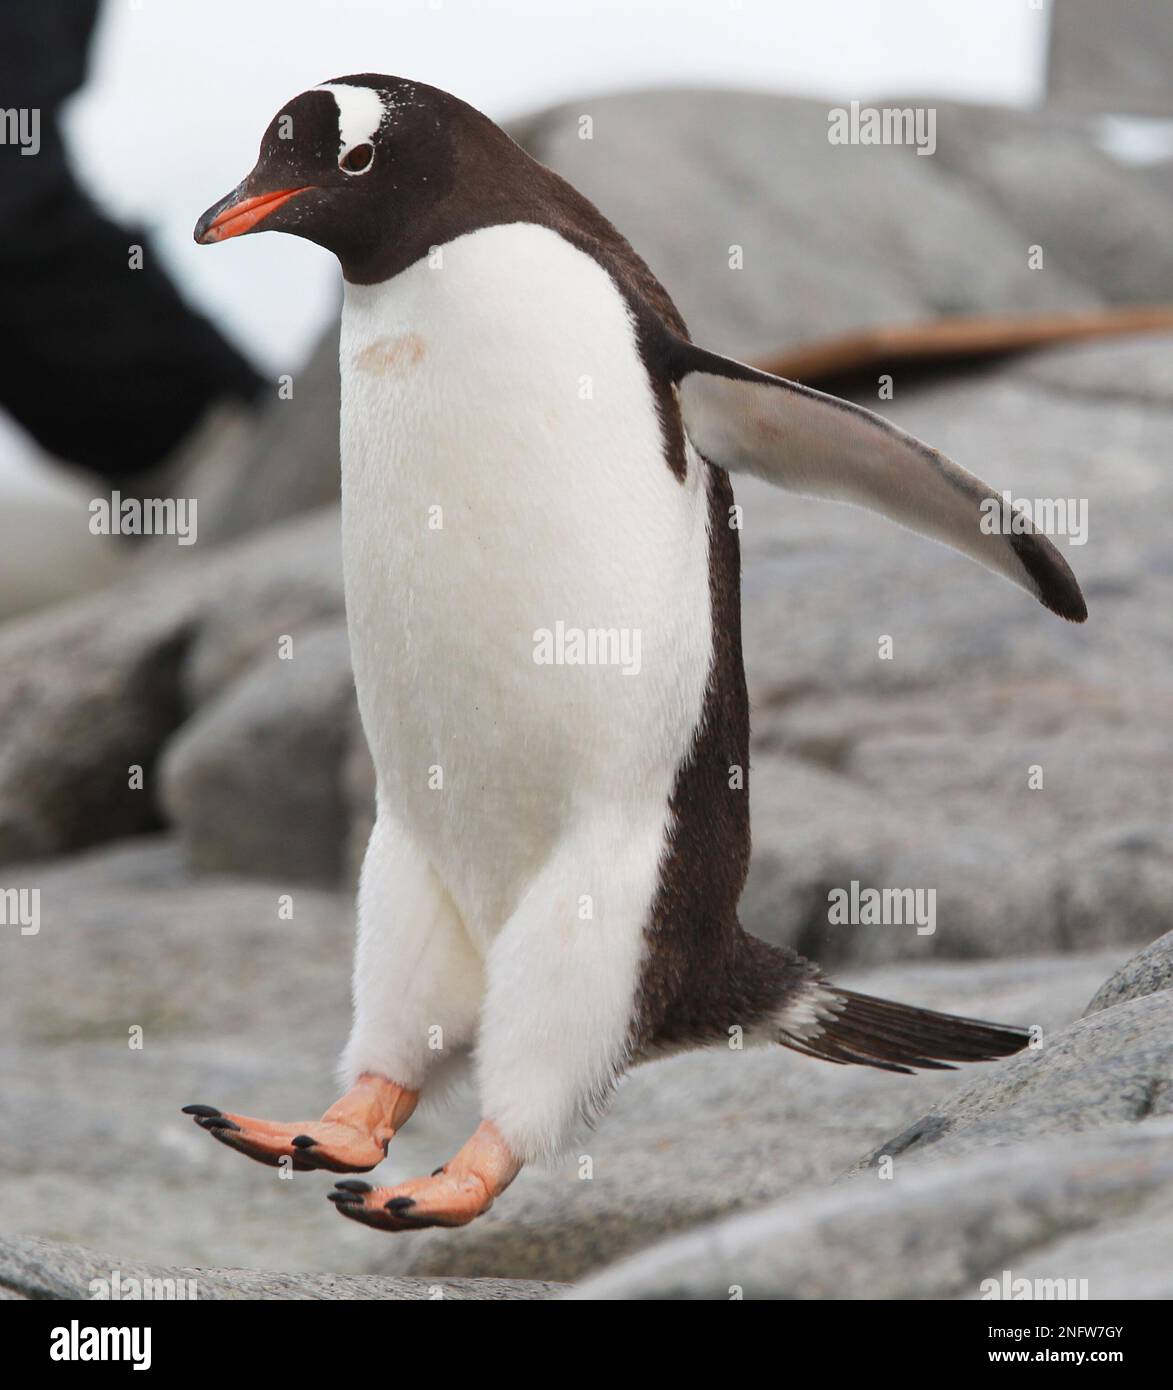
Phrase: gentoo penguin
x=531 y=445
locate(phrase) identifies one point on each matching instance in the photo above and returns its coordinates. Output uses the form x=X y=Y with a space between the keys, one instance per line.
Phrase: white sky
x=183 y=89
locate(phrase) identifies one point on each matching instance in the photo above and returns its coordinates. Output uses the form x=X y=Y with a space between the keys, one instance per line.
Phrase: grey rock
x=1098 y=222
x=238 y=1006
x=1146 y=973
x=88 y=691
x=1125 y=1257
x=253 y=782
x=1111 y=58
x=1124 y=369
x=47 y=554
x=833 y=237
x=92 y=688
x=283 y=596
x=291 y=463
x=1107 y=1068
x=936 y=1232
x=45 y=1269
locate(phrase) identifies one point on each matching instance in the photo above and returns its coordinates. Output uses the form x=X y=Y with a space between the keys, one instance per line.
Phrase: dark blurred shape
x=105 y=366
x=1114 y=58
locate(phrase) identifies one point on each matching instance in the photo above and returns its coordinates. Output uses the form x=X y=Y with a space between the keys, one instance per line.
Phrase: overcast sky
x=181 y=91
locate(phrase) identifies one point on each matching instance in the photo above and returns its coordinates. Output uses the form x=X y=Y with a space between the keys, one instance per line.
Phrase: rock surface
x=253 y=782
x=1111 y=1067
x=290 y=463
x=92 y=689
x=46 y=1269
x=934 y=1210
x=828 y=237
x=1111 y=58
x=1148 y=972
x=1042 y=1211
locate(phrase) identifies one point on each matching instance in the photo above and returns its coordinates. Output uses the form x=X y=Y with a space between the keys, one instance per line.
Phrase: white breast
x=503 y=472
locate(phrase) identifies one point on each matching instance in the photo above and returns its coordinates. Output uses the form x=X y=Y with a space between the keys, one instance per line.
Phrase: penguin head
x=359 y=165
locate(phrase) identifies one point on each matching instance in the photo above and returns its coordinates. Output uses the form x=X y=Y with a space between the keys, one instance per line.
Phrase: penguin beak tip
x=237 y=214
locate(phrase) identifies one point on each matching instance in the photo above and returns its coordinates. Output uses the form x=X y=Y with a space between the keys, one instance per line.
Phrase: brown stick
x=940 y=341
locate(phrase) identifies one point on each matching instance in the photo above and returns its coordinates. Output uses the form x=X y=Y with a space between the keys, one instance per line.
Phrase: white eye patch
x=360 y=114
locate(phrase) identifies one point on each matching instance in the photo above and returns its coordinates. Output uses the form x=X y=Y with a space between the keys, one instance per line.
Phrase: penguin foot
x=453 y=1196
x=351 y=1137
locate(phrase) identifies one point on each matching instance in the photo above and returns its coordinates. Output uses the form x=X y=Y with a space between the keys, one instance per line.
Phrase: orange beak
x=231 y=218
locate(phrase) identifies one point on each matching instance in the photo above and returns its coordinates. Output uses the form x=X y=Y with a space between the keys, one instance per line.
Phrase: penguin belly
x=527 y=578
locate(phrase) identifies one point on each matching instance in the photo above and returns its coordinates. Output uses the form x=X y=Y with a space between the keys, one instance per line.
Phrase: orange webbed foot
x=453 y=1196
x=440 y=1200
x=351 y=1137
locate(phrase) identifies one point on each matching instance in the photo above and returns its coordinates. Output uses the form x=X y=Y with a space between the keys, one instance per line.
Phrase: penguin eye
x=357 y=160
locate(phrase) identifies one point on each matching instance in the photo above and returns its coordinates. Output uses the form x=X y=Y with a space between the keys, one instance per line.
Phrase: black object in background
x=105 y=366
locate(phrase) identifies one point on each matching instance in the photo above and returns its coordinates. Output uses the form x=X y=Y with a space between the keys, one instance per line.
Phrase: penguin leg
x=454 y=1195
x=562 y=977
x=418 y=984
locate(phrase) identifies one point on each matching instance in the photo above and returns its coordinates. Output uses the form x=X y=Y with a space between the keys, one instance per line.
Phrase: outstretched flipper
x=351 y=1137
x=747 y=421
x=454 y=1195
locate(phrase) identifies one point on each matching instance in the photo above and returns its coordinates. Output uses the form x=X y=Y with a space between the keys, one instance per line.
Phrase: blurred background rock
x=256 y=783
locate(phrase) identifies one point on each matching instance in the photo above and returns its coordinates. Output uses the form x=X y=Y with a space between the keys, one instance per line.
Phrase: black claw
x=353 y=1185
x=344 y=1199
x=398 y=1204
x=304 y=1141
x=215 y=1122
x=206 y=1110
x=437 y=1171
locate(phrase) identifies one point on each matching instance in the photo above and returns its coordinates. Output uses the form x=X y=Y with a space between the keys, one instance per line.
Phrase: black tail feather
x=860 y=1029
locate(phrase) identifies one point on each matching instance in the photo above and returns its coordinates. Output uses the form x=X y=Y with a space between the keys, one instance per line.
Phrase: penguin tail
x=841 y=1026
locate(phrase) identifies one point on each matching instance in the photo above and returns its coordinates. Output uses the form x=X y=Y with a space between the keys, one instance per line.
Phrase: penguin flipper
x=746 y=421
